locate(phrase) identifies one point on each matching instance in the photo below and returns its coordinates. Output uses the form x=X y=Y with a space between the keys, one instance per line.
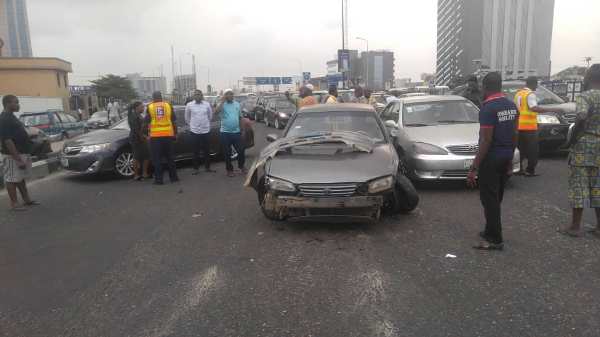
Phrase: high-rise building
x=377 y=69
x=14 y=29
x=513 y=37
x=145 y=86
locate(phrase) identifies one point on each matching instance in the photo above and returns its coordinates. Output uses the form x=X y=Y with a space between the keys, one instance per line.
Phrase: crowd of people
x=153 y=132
x=504 y=126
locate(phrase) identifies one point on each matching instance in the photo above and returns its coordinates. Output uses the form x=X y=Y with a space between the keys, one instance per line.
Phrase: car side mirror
x=391 y=124
x=271 y=138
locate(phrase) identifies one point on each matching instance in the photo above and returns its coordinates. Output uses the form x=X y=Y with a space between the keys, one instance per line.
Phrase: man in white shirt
x=198 y=114
x=113 y=109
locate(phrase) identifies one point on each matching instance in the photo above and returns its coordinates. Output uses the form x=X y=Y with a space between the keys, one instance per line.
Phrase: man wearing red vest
x=162 y=132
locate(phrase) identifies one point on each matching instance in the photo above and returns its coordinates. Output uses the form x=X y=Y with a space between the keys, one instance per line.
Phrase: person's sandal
x=489 y=246
x=18 y=209
x=32 y=203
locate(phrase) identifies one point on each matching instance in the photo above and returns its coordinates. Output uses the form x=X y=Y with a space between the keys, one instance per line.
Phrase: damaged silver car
x=333 y=162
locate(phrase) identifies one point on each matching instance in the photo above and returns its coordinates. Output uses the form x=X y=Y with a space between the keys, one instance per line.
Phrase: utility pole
x=173 y=65
x=194 y=71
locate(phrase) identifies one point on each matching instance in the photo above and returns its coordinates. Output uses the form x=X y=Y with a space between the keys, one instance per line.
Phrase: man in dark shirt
x=16 y=149
x=472 y=92
x=497 y=142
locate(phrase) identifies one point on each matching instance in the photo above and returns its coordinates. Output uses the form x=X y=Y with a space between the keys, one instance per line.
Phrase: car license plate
x=64 y=162
x=468 y=163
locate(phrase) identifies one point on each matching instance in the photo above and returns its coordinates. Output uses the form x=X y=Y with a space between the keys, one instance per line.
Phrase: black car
x=555 y=127
x=278 y=112
x=261 y=106
x=108 y=150
x=333 y=162
x=249 y=107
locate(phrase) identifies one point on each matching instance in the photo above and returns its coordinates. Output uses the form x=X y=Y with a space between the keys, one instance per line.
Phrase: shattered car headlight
x=280 y=185
x=94 y=148
x=380 y=185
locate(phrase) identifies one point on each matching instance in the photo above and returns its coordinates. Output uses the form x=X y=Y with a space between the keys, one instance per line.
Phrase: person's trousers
x=201 y=143
x=529 y=148
x=493 y=175
x=163 y=148
x=227 y=141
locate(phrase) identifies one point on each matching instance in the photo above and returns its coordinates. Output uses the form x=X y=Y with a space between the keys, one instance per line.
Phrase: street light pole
x=366 y=61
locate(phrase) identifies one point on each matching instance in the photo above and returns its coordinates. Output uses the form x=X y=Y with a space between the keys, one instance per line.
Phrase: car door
x=62 y=123
x=183 y=144
x=270 y=113
x=76 y=127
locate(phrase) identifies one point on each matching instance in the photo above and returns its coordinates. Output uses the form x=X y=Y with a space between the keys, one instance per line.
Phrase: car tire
x=277 y=124
x=124 y=163
x=271 y=215
x=407 y=198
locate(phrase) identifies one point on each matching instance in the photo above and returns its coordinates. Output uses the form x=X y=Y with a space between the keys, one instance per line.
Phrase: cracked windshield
x=338 y=168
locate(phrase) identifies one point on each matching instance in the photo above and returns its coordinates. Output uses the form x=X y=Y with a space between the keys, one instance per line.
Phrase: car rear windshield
x=435 y=113
x=35 y=120
x=544 y=95
x=314 y=123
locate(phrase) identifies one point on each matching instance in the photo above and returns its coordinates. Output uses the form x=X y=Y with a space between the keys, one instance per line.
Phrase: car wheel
x=271 y=215
x=277 y=124
x=407 y=198
x=124 y=164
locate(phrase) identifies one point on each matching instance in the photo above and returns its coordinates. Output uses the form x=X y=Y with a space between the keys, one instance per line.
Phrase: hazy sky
x=238 y=38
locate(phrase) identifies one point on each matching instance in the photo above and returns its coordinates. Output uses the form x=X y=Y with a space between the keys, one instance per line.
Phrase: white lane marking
x=385 y=328
x=199 y=288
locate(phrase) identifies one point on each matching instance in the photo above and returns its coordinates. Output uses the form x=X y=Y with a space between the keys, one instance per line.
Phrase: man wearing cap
x=306 y=97
x=230 y=113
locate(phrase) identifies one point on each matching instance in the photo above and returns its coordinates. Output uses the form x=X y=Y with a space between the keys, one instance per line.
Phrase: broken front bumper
x=358 y=207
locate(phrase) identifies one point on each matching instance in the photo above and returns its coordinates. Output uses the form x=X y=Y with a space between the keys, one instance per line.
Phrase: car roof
x=35 y=113
x=431 y=98
x=342 y=107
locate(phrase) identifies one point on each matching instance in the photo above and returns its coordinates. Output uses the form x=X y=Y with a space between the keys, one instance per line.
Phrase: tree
x=113 y=86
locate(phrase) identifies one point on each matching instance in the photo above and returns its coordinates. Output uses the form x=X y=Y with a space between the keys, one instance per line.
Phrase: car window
x=35 y=120
x=544 y=95
x=435 y=113
x=63 y=117
x=324 y=122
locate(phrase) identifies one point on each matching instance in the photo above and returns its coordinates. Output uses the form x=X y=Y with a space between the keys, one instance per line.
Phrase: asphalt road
x=107 y=257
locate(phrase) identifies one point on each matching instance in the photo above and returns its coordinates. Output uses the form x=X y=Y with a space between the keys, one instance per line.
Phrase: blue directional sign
x=262 y=80
x=306 y=76
x=273 y=80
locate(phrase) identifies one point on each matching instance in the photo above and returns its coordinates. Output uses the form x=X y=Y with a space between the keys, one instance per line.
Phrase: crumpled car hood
x=360 y=144
x=339 y=168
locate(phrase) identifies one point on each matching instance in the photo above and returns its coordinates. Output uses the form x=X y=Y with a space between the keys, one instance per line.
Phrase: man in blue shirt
x=498 y=136
x=230 y=112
